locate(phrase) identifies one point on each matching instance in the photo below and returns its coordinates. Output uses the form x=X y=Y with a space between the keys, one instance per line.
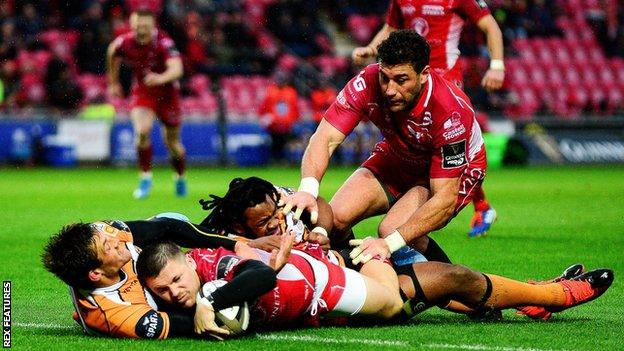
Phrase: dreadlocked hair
x=229 y=209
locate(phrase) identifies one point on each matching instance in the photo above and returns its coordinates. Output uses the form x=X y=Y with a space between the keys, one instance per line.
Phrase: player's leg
x=400 y=212
x=360 y=197
x=440 y=282
x=177 y=155
x=143 y=122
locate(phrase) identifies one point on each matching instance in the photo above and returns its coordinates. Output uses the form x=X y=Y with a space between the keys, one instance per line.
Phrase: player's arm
x=172 y=73
x=182 y=233
x=113 y=63
x=495 y=75
x=314 y=163
x=360 y=54
x=433 y=214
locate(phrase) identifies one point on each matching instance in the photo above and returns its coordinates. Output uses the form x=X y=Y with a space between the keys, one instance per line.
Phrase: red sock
x=145 y=158
x=179 y=164
x=479 y=201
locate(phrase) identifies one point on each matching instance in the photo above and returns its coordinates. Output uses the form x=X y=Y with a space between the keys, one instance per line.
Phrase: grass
x=549 y=218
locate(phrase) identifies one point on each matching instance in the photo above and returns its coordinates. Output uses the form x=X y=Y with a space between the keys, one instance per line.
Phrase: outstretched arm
x=495 y=75
x=360 y=54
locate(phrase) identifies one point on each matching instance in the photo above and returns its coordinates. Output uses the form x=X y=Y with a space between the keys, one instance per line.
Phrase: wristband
x=310 y=185
x=320 y=230
x=498 y=65
x=204 y=301
x=395 y=241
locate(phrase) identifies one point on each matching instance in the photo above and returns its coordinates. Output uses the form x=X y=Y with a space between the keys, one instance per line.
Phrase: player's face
x=401 y=85
x=112 y=252
x=264 y=219
x=142 y=25
x=177 y=283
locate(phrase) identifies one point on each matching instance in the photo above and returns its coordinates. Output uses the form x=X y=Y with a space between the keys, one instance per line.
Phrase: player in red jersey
x=441 y=23
x=421 y=174
x=157 y=66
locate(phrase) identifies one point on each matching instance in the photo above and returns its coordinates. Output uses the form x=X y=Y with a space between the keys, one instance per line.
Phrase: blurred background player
x=441 y=22
x=157 y=66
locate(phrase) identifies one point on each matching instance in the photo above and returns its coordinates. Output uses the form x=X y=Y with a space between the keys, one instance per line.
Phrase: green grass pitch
x=549 y=218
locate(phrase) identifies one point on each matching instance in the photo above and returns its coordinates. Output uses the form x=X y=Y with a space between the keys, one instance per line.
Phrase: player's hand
x=245 y=251
x=368 y=248
x=204 y=321
x=153 y=79
x=302 y=200
x=115 y=90
x=280 y=257
x=320 y=239
x=361 y=54
x=493 y=79
x=266 y=243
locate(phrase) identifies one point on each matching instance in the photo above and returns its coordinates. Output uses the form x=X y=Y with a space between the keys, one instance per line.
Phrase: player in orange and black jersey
x=97 y=260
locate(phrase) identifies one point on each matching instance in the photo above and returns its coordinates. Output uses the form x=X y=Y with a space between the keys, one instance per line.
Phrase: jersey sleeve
x=473 y=10
x=451 y=141
x=213 y=264
x=168 y=47
x=101 y=315
x=118 y=46
x=393 y=17
x=349 y=107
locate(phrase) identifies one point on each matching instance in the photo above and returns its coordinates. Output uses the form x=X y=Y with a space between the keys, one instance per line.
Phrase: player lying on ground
x=310 y=287
x=250 y=208
x=97 y=260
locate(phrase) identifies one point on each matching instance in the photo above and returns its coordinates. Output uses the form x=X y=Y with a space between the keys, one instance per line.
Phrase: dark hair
x=230 y=209
x=404 y=46
x=70 y=255
x=154 y=258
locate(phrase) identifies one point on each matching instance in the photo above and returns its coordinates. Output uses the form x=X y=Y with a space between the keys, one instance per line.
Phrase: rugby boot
x=142 y=192
x=481 y=222
x=180 y=187
x=539 y=312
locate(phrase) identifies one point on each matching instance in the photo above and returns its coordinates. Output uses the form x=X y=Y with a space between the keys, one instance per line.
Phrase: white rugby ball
x=235 y=318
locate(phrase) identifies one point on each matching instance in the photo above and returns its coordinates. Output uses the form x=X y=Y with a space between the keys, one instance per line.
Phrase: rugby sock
x=145 y=158
x=179 y=164
x=507 y=293
x=435 y=253
x=479 y=201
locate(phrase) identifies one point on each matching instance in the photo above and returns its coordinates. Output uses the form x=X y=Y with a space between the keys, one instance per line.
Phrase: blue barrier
x=20 y=140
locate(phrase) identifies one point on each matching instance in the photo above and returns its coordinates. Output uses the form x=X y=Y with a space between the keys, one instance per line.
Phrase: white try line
x=400 y=344
x=319 y=339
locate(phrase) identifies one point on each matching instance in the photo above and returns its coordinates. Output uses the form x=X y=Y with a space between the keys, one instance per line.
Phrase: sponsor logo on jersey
x=453 y=127
x=150 y=325
x=433 y=10
x=454 y=154
x=408 y=10
x=421 y=26
x=225 y=265
x=342 y=100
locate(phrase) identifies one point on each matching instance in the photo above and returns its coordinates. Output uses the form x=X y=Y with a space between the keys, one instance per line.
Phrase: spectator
x=29 y=22
x=61 y=90
x=279 y=112
x=322 y=97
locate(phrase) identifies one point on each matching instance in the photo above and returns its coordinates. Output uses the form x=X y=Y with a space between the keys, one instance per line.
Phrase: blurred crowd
x=51 y=50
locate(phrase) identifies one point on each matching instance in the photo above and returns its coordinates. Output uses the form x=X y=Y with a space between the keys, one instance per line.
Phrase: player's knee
x=342 y=221
x=385 y=228
x=459 y=276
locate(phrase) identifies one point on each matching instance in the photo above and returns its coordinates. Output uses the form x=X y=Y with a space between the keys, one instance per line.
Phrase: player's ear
x=95 y=275
x=191 y=262
x=424 y=74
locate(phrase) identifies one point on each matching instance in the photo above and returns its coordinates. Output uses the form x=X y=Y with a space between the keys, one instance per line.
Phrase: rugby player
x=157 y=66
x=441 y=23
x=423 y=172
x=97 y=260
x=251 y=208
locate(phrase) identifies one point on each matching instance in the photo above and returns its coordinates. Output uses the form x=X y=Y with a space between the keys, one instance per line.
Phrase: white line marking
x=484 y=347
x=331 y=340
x=41 y=326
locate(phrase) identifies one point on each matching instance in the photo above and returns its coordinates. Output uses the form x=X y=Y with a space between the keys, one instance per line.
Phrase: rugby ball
x=235 y=318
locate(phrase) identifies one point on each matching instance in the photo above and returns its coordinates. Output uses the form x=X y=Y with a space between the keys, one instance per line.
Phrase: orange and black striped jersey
x=125 y=309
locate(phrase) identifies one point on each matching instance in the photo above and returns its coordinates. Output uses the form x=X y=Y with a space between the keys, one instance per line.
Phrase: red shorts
x=397 y=175
x=164 y=102
x=454 y=75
